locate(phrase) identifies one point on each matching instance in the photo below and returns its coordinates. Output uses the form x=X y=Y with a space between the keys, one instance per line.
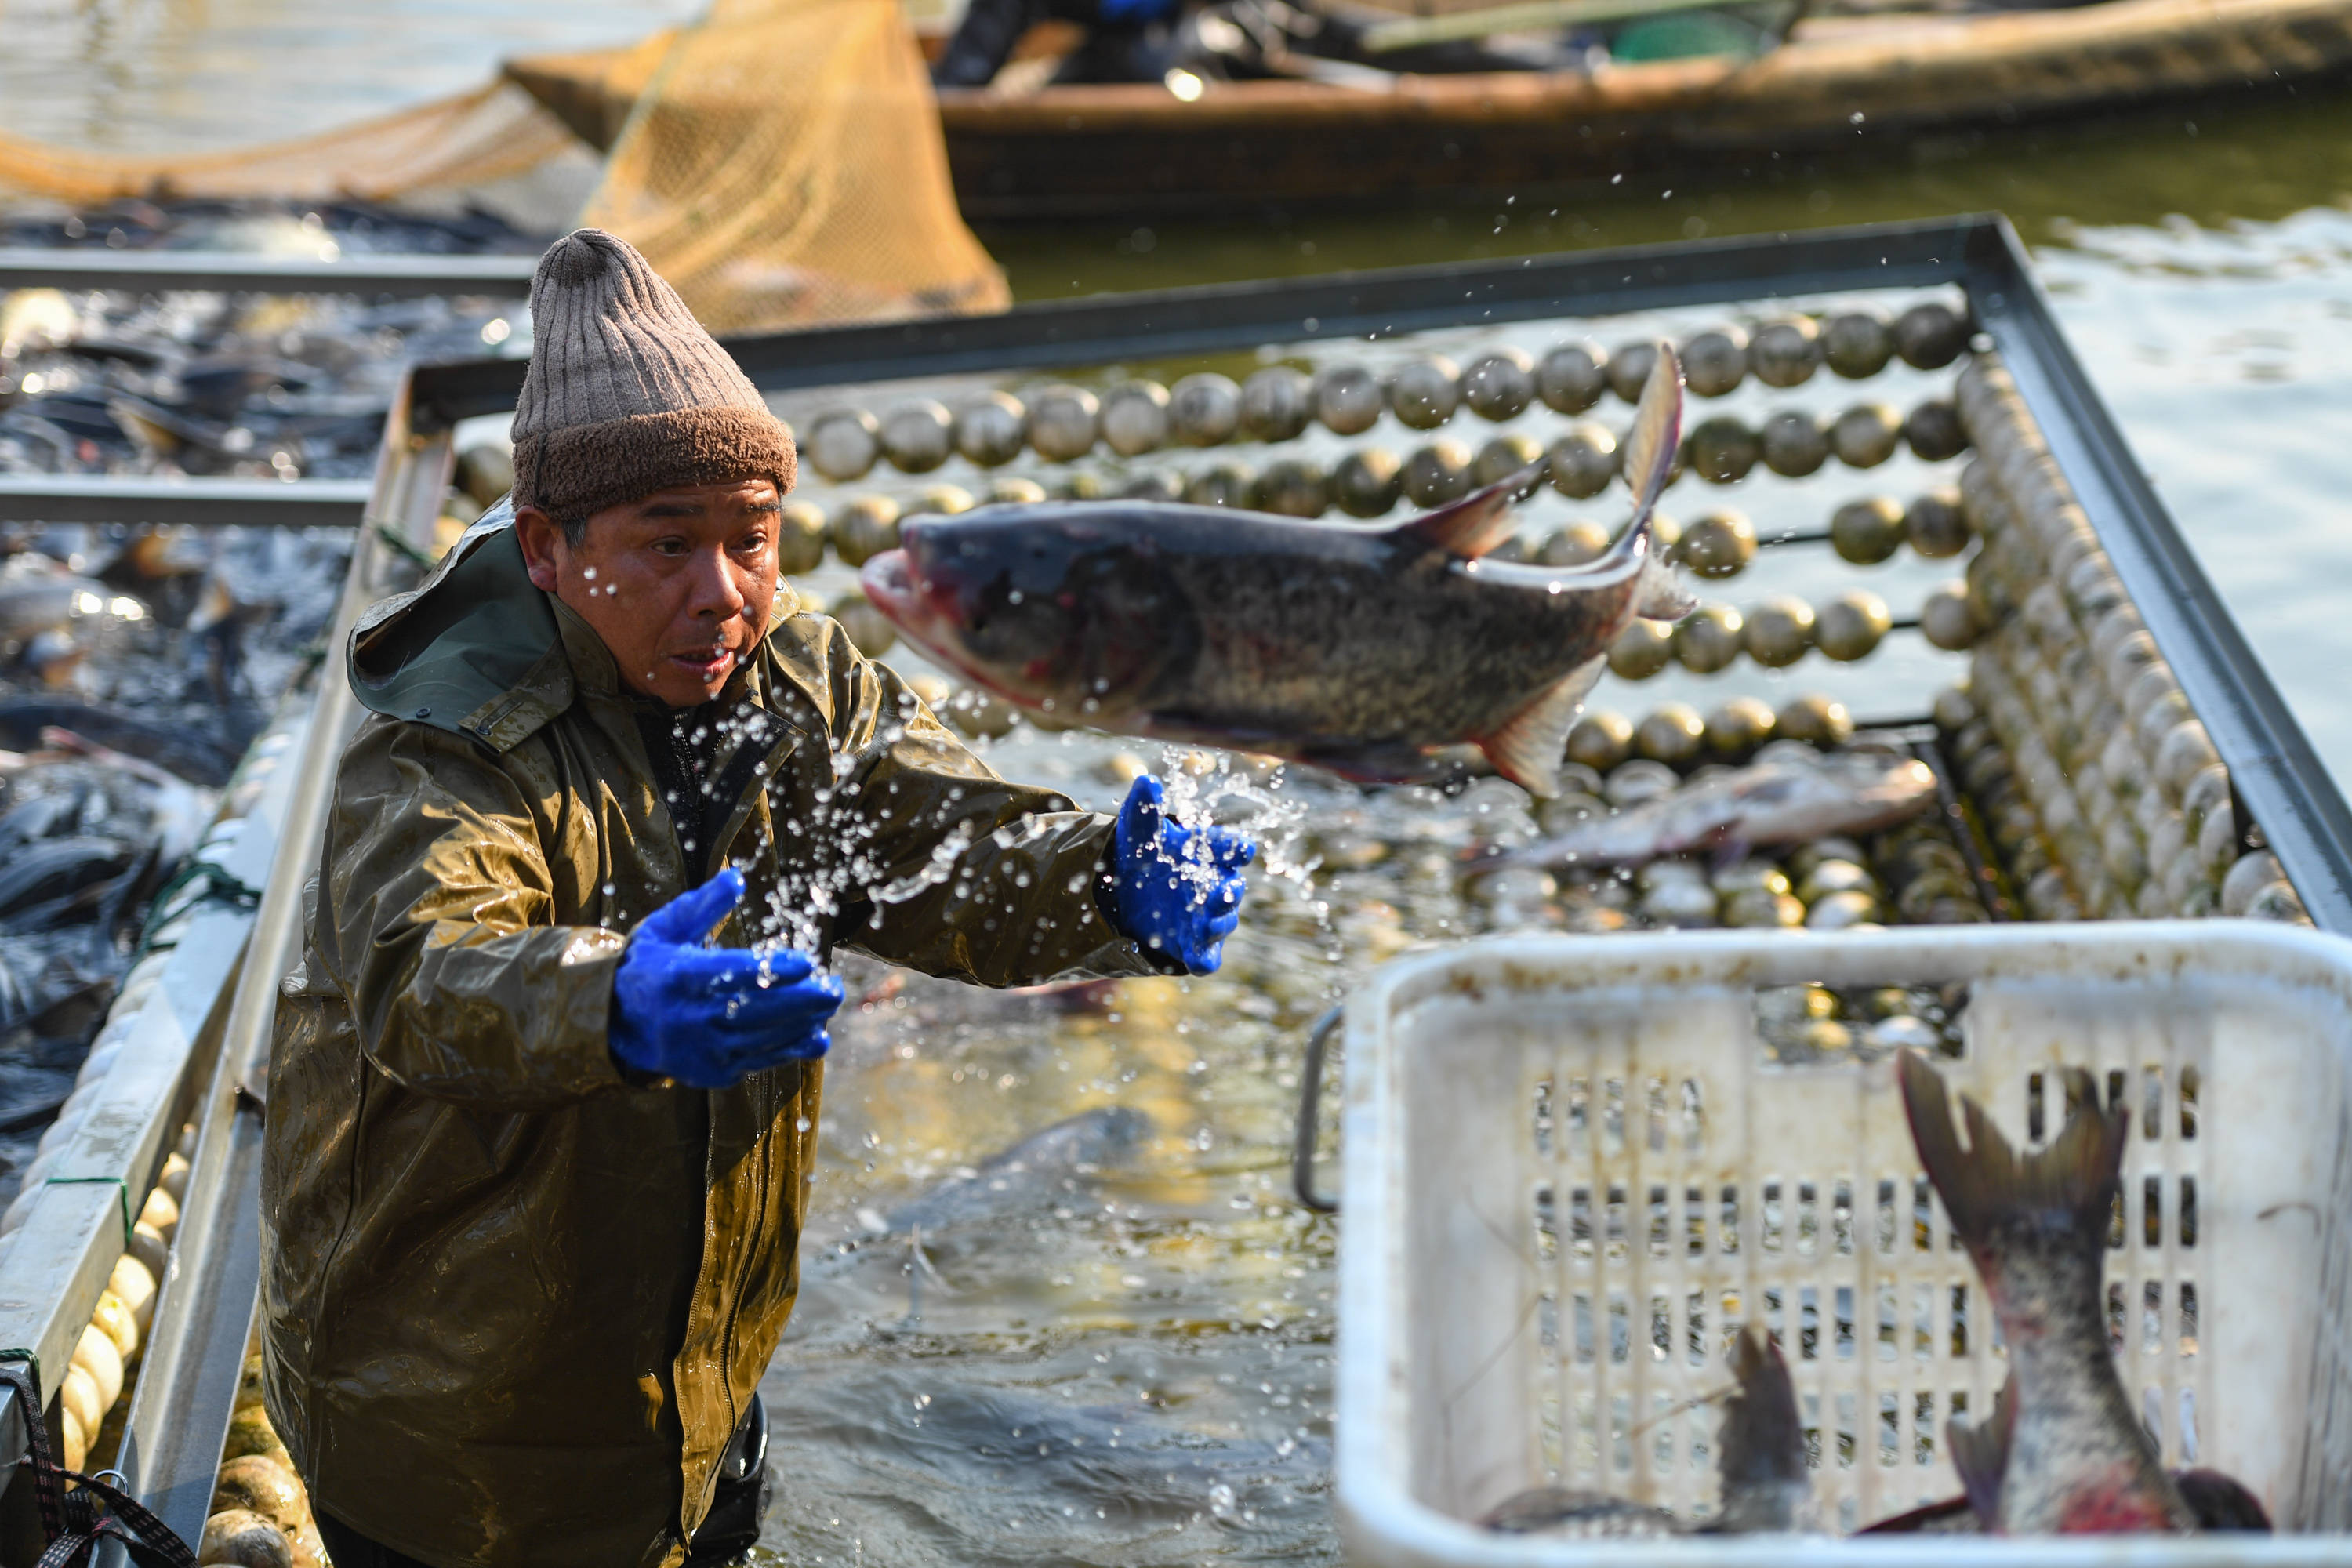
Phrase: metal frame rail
x=186 y=1385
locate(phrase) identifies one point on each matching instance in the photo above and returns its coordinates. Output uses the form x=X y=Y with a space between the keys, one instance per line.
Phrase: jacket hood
x=448 y=651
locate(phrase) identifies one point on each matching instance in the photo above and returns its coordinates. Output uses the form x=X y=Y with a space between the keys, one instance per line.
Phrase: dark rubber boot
x=732 y=1527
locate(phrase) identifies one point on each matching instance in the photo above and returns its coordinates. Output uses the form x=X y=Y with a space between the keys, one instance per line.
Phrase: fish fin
x=2221 y=1503
x=1475 y=524
x=1531 y=745
x=1661 y=595
x=1656 y=436
x=2066 y=1189
x=1980 y=1451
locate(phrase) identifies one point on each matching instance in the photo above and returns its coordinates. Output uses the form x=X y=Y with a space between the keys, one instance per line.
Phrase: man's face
x=678 y=585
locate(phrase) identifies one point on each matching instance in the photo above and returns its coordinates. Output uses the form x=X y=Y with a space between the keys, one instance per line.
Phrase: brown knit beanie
x=626 y=394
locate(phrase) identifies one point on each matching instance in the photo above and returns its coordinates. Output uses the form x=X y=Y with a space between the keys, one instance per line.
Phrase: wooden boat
x=1838 y=82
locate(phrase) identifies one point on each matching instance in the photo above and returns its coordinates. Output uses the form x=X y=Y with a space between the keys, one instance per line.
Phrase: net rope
x=786 y=167
x=473 y=138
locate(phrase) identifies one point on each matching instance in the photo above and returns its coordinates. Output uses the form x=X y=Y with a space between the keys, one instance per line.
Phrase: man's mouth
x=705 y=664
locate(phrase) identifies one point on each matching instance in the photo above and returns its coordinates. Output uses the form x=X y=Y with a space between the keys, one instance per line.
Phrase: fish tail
x=1656 y=436
x=2066 y=1190
x=1980 y=1451
x=1763 y=1436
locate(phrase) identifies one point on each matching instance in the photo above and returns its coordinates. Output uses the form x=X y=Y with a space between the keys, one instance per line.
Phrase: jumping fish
x=1357 y=649
x=1783 y=801
x=1759 y=1457
x=2078 y=1460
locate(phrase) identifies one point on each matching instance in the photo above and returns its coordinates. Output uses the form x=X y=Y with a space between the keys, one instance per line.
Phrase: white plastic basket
x=1547 y=1134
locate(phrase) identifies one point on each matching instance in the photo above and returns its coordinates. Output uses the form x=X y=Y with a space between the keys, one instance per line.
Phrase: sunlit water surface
x=1121 y=1354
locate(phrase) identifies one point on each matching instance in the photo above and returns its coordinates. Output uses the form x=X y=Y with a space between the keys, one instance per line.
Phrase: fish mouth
x=911 y=603
x=888 y=580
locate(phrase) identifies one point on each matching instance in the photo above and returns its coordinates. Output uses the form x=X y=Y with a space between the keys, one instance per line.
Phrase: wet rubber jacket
x=512 y=1305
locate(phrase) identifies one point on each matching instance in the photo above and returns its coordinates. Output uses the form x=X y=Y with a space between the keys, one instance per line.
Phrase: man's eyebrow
x=769 y=508
x=672 y=509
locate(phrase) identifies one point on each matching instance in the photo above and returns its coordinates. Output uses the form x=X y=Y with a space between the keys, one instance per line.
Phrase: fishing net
x=489 y=133
x=784 y=166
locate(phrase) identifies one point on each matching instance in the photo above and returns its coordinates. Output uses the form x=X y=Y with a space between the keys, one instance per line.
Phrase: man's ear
x=541 y=537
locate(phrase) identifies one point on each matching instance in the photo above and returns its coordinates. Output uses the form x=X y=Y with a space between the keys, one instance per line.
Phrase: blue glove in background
x=711 y=1016
x=1174 y=888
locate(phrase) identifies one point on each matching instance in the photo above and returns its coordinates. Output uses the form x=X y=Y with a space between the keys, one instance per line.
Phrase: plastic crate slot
x=1580 y=1308
x=1695 y=1350
x=1662 y=1326
x=1923 y=1216
x=1841 y=1218
x=2033 y=1108
x=1543 y=1110
x=2188 y=1299
x=1616 y=1221
x=1768 y=1230
x=1890 y=1430
x=1579 y=1223
x=1844 y=1305
x=2188 y=1218
x=1959 y=1340
x=2152 y=1104
x=2151 y=1317
x=2115 y=1317
x=1727 y=1224
x=1922 y=1322
x=1620 y=1328
x=1695 y=1222
x=1886 y=1318
x=1886 y=1228
x=1661 y=1223
x=2188 y=1427
x=2152 y=1201
x=1694 y=1117
x=1923 y=1429
x=1656 y=1104
x=1809 y=1324
x=1612 y=1118
x=1546 y=1219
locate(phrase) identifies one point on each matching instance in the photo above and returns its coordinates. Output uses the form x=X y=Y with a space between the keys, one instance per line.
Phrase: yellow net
x=781 y=163
x=489 y=133
x=784 y=166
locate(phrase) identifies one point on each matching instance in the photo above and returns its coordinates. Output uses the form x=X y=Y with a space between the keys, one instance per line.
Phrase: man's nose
x=715 y=594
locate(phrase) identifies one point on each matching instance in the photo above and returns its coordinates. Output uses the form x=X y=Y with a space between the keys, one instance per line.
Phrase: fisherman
x=541 y=1114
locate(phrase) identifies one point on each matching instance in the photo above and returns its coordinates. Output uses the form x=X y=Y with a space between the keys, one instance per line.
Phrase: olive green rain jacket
x=513 y=1306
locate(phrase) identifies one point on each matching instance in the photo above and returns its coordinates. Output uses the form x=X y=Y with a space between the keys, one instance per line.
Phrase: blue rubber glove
x=1176 y=890
x=711 y=1016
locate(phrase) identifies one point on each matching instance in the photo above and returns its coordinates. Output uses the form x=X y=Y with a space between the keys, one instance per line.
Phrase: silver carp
x=1783 y=801
x=1362 y=650
x=2036 y=1225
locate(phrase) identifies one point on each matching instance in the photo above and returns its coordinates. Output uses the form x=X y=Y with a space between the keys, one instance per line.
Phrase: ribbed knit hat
x=626 y=394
